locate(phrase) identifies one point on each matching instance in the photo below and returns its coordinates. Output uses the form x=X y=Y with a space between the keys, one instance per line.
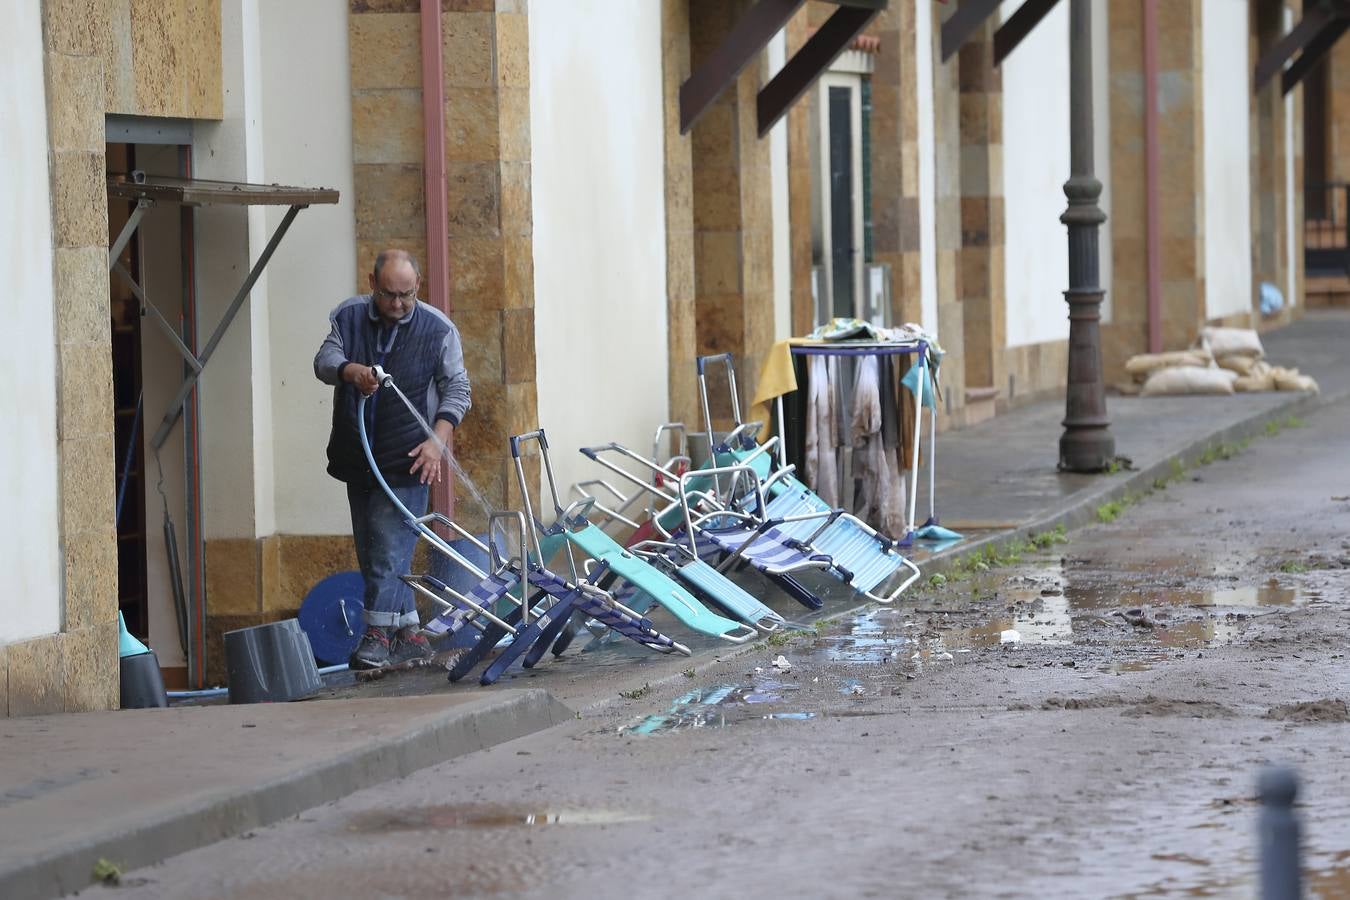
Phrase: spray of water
x=461 y=477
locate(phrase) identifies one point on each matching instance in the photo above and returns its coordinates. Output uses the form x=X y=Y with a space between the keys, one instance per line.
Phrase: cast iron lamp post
x=1087 y=444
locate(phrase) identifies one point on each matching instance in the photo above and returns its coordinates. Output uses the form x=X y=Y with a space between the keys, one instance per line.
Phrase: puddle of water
x=1133 y=665
x=448 y=816
x=867 y=640
x=717 y=707
x=1046 y=601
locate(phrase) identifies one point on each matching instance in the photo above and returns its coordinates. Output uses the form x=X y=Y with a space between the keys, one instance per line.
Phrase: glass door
x=840 y=182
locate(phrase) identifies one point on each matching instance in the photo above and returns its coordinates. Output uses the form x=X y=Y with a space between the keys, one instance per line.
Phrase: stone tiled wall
x=485 y=59
x=799 y=193
x=895 y=159
x=1181 y=183
x=254 y=581
x=733 y=247
x=77 y=668
x=159 y=59
x=983 y=298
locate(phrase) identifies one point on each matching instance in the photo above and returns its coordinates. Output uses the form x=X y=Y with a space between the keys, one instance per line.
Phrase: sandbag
x=1236 y=363
x=1254 y=383
x=1291 y=380
x=1143 y=365
x=1189 y=380
x=1223 y=342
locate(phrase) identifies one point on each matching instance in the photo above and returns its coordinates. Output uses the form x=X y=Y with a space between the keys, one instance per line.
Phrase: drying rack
x=886 y=348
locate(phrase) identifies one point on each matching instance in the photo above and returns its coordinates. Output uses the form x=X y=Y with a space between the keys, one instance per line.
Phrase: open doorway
x=157 y=490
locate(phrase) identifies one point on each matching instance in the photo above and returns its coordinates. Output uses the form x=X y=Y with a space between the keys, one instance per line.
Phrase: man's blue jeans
x=384 y=550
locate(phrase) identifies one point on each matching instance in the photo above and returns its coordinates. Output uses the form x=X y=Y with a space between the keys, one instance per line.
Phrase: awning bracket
x=806 y=65
x=176 y=406
x=1018 y=26
x=750 y=35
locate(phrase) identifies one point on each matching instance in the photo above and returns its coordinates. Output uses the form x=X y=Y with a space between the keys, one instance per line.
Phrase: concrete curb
x=474 y=726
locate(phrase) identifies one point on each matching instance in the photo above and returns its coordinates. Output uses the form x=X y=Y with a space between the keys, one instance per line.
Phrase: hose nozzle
x=383 y=377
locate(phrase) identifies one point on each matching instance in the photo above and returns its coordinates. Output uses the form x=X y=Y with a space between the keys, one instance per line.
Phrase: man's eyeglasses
x=391 y=295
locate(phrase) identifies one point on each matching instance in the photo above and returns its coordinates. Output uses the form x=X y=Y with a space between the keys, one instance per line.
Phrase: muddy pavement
x=1084 y=720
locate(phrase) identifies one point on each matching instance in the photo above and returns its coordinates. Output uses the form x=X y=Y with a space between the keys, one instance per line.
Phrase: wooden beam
x=969 y=16
x=807 y=64
x=1021 y=24
x=1273 y=60
x=749 y=36
x=1316 y=49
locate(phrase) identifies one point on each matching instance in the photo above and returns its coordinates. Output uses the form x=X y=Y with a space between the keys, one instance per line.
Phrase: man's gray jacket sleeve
x=330 y=359
x=452 y=380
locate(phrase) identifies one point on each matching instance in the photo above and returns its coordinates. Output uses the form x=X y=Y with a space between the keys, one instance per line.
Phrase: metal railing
x=1326 y=228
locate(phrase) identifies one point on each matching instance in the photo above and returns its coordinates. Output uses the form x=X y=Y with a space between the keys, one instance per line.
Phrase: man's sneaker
x=409 y=644
x=373 y=651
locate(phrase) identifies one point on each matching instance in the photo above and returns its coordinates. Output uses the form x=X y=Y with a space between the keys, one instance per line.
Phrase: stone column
x=680 y=307
x=733 y=227
x=983 y=299
x=1181 y=166
x=77 y=669
x=799 y=191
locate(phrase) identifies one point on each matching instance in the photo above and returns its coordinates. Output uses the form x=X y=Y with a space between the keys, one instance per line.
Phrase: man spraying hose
x=416 y=345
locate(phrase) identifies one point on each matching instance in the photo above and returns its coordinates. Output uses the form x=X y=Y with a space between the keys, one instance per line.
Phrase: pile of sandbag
x=1222 y=361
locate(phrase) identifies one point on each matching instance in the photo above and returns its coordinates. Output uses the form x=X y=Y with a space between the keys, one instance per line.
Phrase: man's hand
x=363 y=377
x=430 y=452
x=427 y=460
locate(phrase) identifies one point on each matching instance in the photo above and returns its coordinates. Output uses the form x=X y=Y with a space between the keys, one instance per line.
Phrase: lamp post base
x=1086 y=448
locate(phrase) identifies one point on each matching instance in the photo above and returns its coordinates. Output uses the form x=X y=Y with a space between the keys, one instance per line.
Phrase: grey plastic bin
x=270 y=663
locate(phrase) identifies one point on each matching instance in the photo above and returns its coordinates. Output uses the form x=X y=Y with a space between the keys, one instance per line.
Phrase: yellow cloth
x=776 y=378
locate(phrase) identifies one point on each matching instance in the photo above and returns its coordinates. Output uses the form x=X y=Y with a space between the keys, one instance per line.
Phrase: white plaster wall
x=1228 y=233
x=927 y=147
x=307 y=141
x=1035 y=167
x=782 y=229
x=30 y=566
x=596 y=133
x=235 y=407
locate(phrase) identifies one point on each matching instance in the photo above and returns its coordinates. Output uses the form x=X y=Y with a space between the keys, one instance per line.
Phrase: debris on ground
x=781 y=663
x=107 y=872
x=1311 y=711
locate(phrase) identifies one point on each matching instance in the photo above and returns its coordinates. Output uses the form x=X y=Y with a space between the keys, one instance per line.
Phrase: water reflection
x=718 y=706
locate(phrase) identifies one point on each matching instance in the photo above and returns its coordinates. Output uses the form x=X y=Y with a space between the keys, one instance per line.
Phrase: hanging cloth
x=822 y=433
x=880 y=498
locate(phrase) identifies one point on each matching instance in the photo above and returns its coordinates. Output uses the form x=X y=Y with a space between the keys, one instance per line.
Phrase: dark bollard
x=1281 y=878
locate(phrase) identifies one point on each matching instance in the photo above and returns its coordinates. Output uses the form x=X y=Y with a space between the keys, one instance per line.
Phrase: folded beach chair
x=762 y=548
x=633 y=511
x=531 y=622
x=611 y=562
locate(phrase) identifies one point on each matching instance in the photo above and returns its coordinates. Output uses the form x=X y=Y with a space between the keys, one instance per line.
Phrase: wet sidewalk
x=138 y=786
x=1000 y=475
